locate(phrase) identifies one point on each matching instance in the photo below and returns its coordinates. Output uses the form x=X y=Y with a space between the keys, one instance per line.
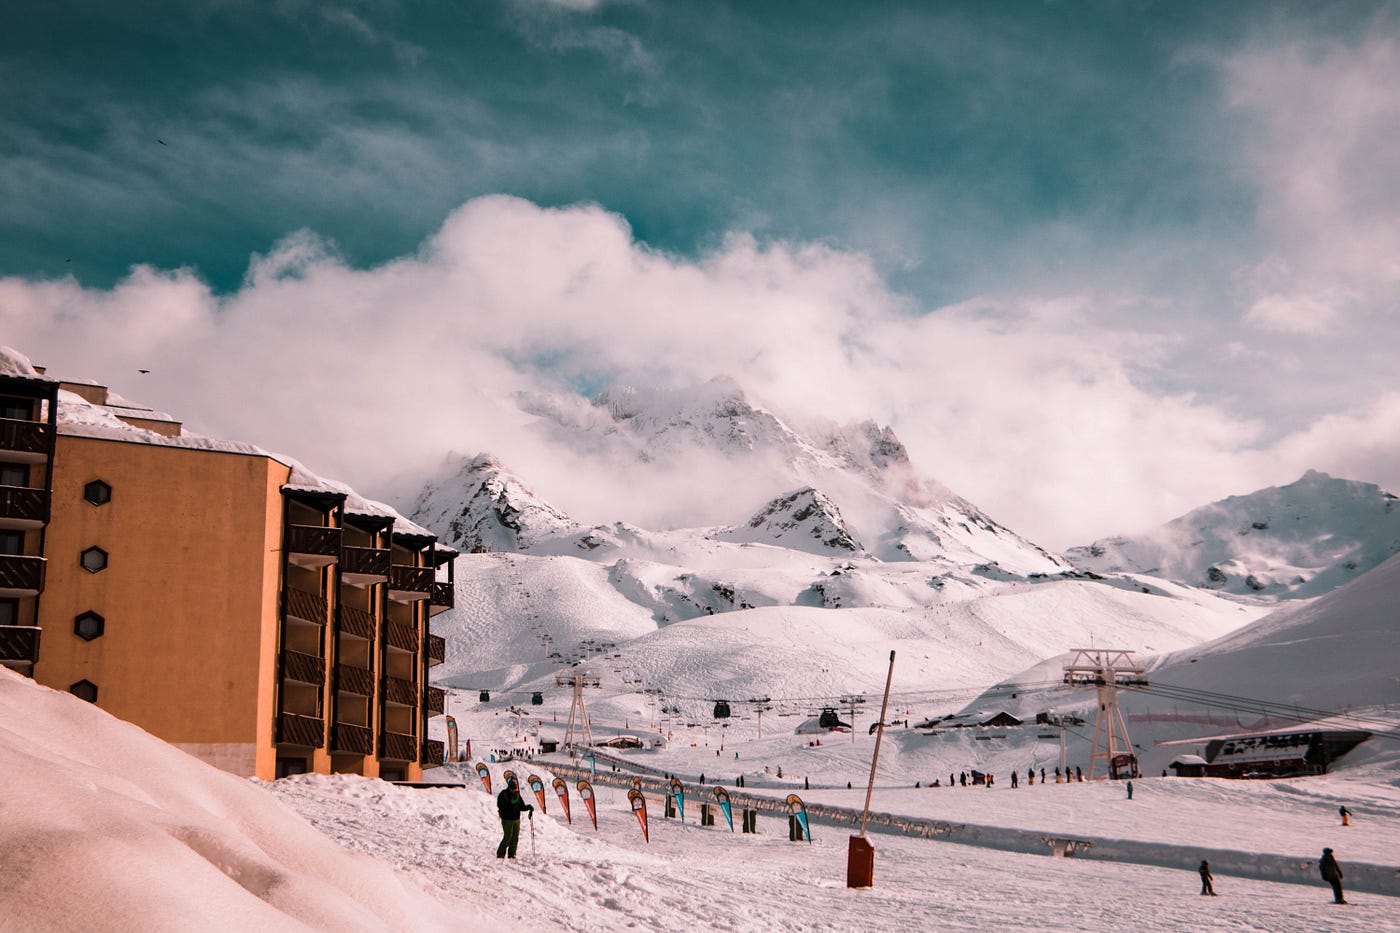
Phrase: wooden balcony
x=306 y=668
x=434 y=753
x=442 y=599
x=407 y=584
x=397 y=747
x=355 y=680
x=400 y=691
x=437 y=649
x=19 y=645
x=21 y=576
x=356 y=622
x=23 y=507
x=305 y=606
x=356 y=740
x=360 y=566
x=300 y=730
x=25 y=441
x=401 y=635
x=435 y=701
x=312 y=546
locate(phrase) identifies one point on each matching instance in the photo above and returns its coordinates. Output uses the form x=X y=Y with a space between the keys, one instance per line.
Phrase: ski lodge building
x=222 y=598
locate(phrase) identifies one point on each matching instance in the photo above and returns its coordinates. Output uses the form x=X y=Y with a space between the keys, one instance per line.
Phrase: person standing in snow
x=1332 y=874
x=1207 y=882
x=509 y=805
x=1345 y=814
x=1014 y=781
x=1030 y=775
x=1130 y=790
x=1078 y=774
x=1042 y=775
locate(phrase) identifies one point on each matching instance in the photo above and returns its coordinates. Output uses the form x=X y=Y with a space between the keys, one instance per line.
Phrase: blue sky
x=1203 y=193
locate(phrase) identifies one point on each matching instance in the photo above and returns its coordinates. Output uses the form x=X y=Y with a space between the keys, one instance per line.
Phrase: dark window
x=14 y=474
x=286 y=767
x=9 y=612
x=11 y=542
x=18 y=408
x=89 y=625
x=94 y=560
x=84 y=690
x=97 y=492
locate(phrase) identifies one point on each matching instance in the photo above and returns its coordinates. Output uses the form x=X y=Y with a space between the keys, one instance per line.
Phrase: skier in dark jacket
x=510 y=805
x=1332 y=874
x=1207 y=882
x=1345 y=815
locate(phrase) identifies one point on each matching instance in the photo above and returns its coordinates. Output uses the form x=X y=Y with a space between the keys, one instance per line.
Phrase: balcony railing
x=365 y=562
x=433 y=752
x=356 y=680
x=300 y=730
x=306 y=668
x=434 y=701
x=397 y=746
x=400 y=691
x=19 y=644
x=442 y=598
x=316 y=540
x=22 y=503
x=410 y=582
x=25 y=437
x=357 y=740
x=401 y=635
x=356 y=622
x=21 y=576
x=305 y=606
x=437 y=649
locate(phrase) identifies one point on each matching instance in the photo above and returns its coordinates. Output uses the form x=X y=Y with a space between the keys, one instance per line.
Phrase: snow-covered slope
x=1299 y=540
x=105 y=827
x=805 y=520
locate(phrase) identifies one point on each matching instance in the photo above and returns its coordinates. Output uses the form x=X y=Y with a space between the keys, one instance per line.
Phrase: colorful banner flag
x=537 y=786
x=678 y=791
x=585 y=791
x=451 y=739
x=507 y=775
x=485 y=774
x=722 y=796
x=639 y=807
x=562 y=789
x=799 y=809
x=636 y=783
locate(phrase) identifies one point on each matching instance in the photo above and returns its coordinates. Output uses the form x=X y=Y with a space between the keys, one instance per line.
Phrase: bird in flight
x=161 y=141
x=143 y=371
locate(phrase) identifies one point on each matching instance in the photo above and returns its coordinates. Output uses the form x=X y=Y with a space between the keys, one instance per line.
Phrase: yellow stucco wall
x=189 y=595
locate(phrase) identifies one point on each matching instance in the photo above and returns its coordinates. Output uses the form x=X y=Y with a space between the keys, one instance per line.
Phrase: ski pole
x=532 y=836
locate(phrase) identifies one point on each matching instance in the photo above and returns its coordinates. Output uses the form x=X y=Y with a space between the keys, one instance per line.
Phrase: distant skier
x=1346 y=815
x=1030 y=776
x=1014 y=781
x=1079 y=774
x=1207 y=882
x=1332 y=874
x=1130 y=790
x=1042 y=775
x=962 y=778
x=1057 y=776
x=510 y=806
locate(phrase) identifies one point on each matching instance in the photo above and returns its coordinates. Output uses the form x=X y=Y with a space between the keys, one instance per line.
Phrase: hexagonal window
x=94 y=560
x=89 y=625
x=84 y=690
x=97 y=492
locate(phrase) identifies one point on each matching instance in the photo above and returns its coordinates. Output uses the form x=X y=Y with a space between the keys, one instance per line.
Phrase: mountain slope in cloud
x=1284 y=542
x=483 y=507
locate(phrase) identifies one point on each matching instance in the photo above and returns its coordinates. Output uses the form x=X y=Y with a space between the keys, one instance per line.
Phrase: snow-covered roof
x=77 y=417
x=16 y=364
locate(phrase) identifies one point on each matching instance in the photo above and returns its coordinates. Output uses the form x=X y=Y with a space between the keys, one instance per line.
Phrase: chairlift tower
x=578 y=728
x=852 y=701
x=1106 y=671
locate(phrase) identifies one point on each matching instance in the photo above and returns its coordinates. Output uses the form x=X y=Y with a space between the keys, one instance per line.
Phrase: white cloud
x=1022 y=405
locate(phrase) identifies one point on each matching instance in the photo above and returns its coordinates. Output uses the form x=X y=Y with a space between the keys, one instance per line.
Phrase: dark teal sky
x=960 y=144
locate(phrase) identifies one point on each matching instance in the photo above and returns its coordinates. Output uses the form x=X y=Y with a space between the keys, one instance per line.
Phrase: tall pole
x=879 y=734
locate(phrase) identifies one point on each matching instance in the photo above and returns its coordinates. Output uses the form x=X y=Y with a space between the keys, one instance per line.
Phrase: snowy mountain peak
x=484 y=507
x=804 y=520
x=1299 y=540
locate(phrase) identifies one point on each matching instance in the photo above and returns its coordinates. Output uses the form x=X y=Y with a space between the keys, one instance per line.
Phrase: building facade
x=222 y=599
